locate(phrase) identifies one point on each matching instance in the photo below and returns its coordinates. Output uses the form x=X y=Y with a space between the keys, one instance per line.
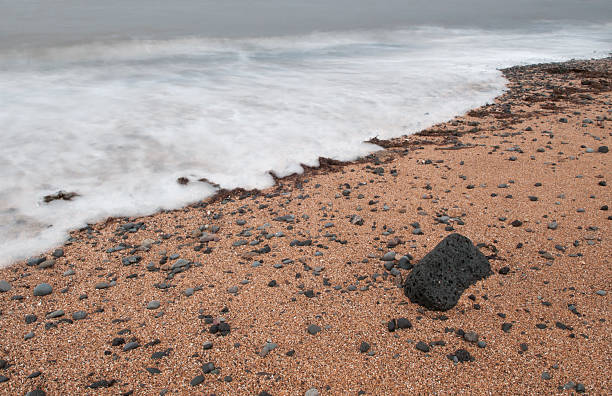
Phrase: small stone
x=403 y=323
x=208 y=368
x=421 y=346
x=153 y=304
x=36 y=392
x=364 y=347
x=312 y=392
x=4 y=286
x=389 y=256
x=130 y=345
x=43 y=289
x=55 y=314
x=79 y=315
x=197 y=380
x=470 y=336
x=463 y=355
x=546 y=375
x=313 y=329
x=47 y=264
x=30 y=318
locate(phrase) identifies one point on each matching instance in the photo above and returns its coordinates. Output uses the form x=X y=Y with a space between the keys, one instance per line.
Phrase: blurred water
x=116 y=107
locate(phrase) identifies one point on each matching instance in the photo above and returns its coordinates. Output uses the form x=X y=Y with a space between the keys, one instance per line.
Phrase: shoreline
x=239 y=279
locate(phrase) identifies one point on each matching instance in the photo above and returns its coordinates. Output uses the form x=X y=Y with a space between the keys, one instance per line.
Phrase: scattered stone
x=43 y=289
x=312 y=392
x=313 y=329
x=4 y=286
x=403 y=323
x=36 y=392
x=470 y=336
x=463 y=355
x=130 y=345
x=79 y=315
x=102 y=285
x=423 y=347
x=197 y=380
x=389 y=256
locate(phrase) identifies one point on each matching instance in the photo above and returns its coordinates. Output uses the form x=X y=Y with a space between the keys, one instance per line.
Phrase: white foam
x=118 y=123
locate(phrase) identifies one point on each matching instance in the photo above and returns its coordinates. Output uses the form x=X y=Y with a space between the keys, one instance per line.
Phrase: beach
x=284 y=290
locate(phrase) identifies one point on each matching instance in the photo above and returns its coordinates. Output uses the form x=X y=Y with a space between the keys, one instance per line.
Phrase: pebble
x=267 y=349
x=55 y=314
x=30 y=318
x=4 y=286
x=389 y=256
x=153 y=304
x=463 y=355
x=470 y=336
x=130 y=345
x=102 y=285
x=364 y=347
x=421 y=346
x=43 y=289
x=312 y=392
x=313 y=329
x=36 y=392
x=79 y=315
x=47 y=264
x=197 y=380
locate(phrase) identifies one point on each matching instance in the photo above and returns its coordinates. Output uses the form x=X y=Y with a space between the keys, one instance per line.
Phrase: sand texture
x=284 y=290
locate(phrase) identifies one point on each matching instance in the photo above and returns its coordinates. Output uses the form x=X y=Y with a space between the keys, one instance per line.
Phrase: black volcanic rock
x=439 y=279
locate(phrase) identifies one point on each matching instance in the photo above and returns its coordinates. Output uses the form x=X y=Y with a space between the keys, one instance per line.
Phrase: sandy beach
x=284 y=291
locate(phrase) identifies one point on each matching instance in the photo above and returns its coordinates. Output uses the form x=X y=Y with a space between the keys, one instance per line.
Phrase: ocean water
x=116 y=100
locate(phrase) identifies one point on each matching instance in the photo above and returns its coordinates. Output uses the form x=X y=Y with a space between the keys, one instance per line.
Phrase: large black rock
x=439 y=279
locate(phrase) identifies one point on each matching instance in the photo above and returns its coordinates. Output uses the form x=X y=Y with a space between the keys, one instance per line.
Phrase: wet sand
x=308 y=252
